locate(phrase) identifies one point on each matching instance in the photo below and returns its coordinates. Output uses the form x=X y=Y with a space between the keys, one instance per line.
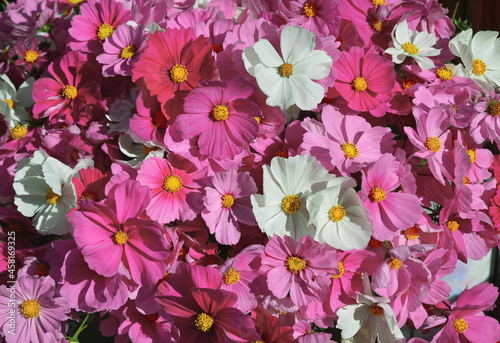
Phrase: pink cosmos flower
x=38 y=315
x=467 y=322
x=345 y=142
x=90 y=184
x=227 y=203
x=269 y=327
x=97 y=21
x=433 y=140
x=486 y=123
x=365 y=79
x=113 y=240
x=175 y=186
x=29 y=54
x=390 y=212
x=220 y=114
x=317 y=16
x=175 y=61
x=302 y=268
x=68 y=91
x=122 y=50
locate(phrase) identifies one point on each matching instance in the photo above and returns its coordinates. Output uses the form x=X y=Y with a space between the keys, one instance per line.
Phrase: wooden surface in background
x=483 y=14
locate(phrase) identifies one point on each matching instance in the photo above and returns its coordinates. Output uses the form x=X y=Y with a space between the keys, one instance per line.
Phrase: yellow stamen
x=410 y=48
x=74 y=2
x=337 y=213
x=19 y=131
x=286 y=69
x=466 y=180
x=10 y=103
x=359 y=84
x=31 y=56
x=478 y=67
x=220 y=112
x=89 y=196
x=258 y=119
x=472 y=154
x=51 y=197
x=291 y=204
x=30 y=309
x=377 y=194
x=350 y=150
x=231 y=277
x=121 y=237
x=295 y=264
x=178 y=73
x=148 y=149
x=227 y=201
x=341 y=271
x=493 y=108
x=376 y=310
x=203 y=322
x=377 y=25
x=377 y=3
x=395 y=264
x=172 y=183
x=452 y=225
x=69 y=92
x=128 y=52
x=460 y=325
x=444 y=73
x=310 y=10
x=105 y=30
x=433 y=144
x=412 y=233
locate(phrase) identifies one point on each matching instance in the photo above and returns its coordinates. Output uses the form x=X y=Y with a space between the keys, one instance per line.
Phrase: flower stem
x=82 y=327
x=291 y=110
x=455 y=10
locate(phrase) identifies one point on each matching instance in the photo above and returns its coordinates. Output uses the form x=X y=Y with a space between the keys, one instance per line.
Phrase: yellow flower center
x=433 y=144
x=460 y=325
x=258 y=119
x=295 y=264
x=493 y=108
x=350 y=150
x=148 y=149
x=172 y=183
x=128 y=52
x=410 y=48
x=51 y=197
x=203 y=322
x=291 y=204
x=231 y=277
x=337 y=213
x=105 y=30
x=220 y=112
x=452 y=225
x=376 y=310
x=69 y=92
x=341 y=271
x=408 y=83
x=472 y=154
x=358 y=84
x=121 y=237
x=10 y=103
x=178 y=73
x=478 y=67
x=257 y=342
x=74 y=2
x=31 y=56
x=89 y=196
x=395 y=264
x=19 y=131
x=412 y=233
x=377 y=3
x=227 y=200
x=444 y=73
x=286 y=69
x=30 y=309
x=466 y=180
x=377 y=194
x=377 y=25
x=282 y=153
x=310 y=10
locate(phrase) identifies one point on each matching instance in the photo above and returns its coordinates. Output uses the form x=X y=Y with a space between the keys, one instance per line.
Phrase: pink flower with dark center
x=175 y=61
x=91 y=184
x=221 y=116
x=317 y=16
x=97 y=21
x=365 y=79
x=113 y=240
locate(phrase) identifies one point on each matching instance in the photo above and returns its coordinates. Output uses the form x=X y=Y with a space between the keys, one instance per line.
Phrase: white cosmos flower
x=44 y=189
x=339 y=216
x=286 y=77
x=413 y=44
x=479 y=54
x=282 y=209
x=13 y=103
x=137 y=149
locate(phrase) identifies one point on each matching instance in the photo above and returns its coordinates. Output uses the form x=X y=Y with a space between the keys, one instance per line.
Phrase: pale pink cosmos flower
x=390 y=211
x=227 y=202
x=175 y=186
x=302 y=268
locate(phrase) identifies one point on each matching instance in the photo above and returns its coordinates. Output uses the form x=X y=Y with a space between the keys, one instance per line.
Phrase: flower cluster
x=246 y=170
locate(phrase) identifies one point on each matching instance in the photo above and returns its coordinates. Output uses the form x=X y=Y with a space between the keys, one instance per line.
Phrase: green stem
x=444 y=315
x=291 y=110
x=387 y=244
x=82 y=327
x=55 y=43
x=455 y=10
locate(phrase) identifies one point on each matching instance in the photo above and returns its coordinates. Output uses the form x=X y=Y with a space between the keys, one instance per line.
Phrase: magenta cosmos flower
x=113 y=240
x=302 y=268
x=97 y=21
x=220 y=114
x=69 y=89
x=122 y=50
x=38 y=314
x=29 y=54
x=175 y=187
x=314 y=15
x=175 y=60
x=227 y=203
x=365 y=79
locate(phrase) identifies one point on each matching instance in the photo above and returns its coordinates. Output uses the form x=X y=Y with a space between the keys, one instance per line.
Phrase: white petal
x=267 y=54
x=307 y=94
x=296 y=43
x=316 y=66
